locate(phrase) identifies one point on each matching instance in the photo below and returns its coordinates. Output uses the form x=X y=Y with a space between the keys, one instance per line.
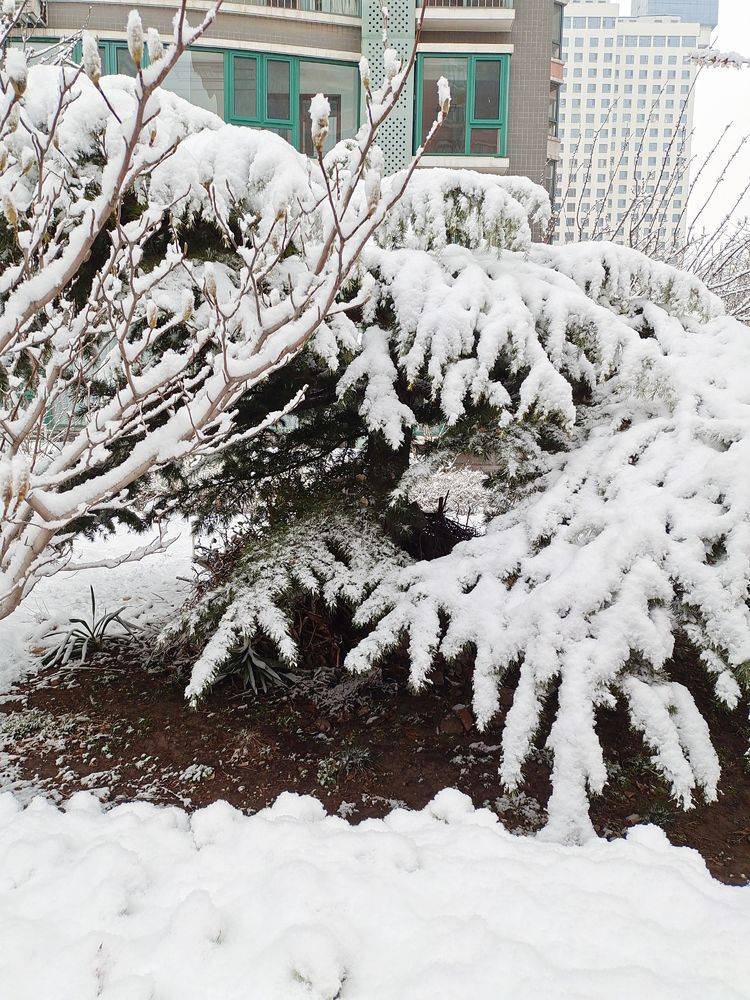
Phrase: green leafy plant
x=84 y=638
x=255 y=672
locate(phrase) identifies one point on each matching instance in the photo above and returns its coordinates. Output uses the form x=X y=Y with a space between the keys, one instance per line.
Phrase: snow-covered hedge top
x=480 y=211
x=253 y=170
x=88 y=126
x=617 y=276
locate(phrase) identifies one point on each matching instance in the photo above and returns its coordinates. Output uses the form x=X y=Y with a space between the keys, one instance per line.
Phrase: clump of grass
x=344 y=763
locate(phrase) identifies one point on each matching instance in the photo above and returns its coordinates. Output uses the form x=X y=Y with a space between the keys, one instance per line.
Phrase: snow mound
x=441 y=206
x=143 y=902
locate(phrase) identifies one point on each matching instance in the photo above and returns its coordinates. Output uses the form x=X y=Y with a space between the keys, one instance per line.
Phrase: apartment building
x=262 y=61
x=626 y=117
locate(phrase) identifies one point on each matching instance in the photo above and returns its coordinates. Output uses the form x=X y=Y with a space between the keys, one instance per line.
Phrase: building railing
x=347 y=8
x=505 y=4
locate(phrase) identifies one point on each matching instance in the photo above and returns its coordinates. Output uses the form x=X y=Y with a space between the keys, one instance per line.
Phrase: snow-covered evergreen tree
x=605 y=399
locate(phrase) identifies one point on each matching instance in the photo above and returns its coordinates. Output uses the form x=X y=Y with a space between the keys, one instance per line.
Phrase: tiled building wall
x=528 y=123
x=238 y=29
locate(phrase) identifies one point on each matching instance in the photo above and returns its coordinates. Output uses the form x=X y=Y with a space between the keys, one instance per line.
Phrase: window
x=258 y=89
x=198 y=76
x=557 y=30
x=340 y=84
x=479 y=96
x=554 y=109
x=245 y=103
x=124 y=63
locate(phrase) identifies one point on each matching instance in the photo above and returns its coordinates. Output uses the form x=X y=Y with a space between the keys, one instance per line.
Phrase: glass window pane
x=485 y=141
x=340 y=84
x=124 y=63
x=199 y=78
x=486 y=90
x=451 y=138
x=245 y=87
x=285 y=133
x=279 y=99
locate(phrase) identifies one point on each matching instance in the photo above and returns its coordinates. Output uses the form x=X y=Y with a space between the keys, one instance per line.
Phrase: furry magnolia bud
x=364 y=74
x=135 y=38
x=14 y=483
x=320 y=113
x=9 y=211
x=444 y=95
x=187 y=307
x=372 y=189
x=155 y=47
x=152 y=314
x=28 y=159
x=92 y=62
x=391 y=63
x=209 y=281
x=16 y=70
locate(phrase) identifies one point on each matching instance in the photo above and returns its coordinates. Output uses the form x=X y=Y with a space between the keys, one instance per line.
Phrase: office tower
x=705 y=12
x=626 y=116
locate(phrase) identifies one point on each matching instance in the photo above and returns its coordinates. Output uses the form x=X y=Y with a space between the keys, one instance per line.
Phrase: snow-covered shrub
x=609 y=397
x=338 y=558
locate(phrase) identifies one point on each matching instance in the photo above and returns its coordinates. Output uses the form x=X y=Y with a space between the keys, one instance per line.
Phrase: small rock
x=633 y=818
x=466 y=717
x=451 y=725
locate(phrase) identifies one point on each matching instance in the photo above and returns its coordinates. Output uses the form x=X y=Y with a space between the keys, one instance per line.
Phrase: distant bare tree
x=718 y=253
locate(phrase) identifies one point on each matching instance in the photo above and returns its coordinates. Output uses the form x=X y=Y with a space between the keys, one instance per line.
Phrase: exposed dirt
x=127 y=732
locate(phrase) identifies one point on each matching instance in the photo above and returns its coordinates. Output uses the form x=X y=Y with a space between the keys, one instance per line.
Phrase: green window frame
x=265 y=63
x=108 y=52
x=473 y=123
x=285 y=125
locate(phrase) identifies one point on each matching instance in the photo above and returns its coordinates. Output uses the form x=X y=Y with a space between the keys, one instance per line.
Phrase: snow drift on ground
x=148 y=903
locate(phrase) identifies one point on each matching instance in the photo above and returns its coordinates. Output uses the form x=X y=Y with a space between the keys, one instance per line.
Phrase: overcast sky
x=723 y=97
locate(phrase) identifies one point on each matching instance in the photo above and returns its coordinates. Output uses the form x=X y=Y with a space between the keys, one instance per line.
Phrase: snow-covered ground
x=140 y=902
x=147 y=903
x=149 y=587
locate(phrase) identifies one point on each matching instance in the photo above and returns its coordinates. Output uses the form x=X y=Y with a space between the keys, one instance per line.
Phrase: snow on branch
x=335 y=557
x=715 y=59
x=116 y=361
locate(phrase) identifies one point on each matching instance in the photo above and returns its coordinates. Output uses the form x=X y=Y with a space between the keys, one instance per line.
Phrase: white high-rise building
x=626 y=117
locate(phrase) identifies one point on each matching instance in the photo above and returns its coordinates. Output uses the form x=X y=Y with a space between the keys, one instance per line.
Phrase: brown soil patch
x=126 y=733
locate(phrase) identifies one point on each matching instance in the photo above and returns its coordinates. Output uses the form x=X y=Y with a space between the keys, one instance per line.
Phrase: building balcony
x=469 y=15
x=482 y=164
x=339 y=8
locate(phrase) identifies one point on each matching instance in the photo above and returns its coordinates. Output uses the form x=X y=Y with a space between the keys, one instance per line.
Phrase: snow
x=144 y=590
x=148 y=902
